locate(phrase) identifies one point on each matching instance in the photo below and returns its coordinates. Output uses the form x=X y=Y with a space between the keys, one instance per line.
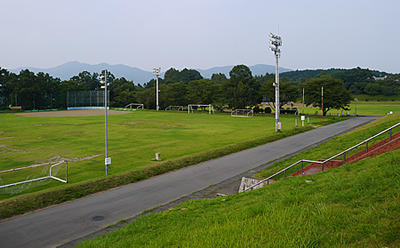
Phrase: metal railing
x=344 y=153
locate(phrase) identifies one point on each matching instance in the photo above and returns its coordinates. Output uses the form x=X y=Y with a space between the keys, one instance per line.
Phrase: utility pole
x=276 y=40
x=322 y=101
x=156 y=72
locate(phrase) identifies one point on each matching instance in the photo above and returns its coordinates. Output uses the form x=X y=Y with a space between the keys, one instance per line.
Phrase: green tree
x=335 y=95
x=173 y=94
x=173 y=75
x=288 y=92
x=122 y=92
x=241 y=89
x=203 y=91
x=218 y=78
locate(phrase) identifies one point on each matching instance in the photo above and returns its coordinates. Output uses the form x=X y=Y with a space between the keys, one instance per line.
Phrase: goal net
x=135 y=105
x=242 y=113
x=203 y=107
x=171 y=107
x=17 y=180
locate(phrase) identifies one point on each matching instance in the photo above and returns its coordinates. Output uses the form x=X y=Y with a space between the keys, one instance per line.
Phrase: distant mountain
x=73 y=68
x=70 y=69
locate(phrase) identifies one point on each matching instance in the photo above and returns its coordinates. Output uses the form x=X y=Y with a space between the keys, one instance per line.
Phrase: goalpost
x=242 y=113
x=202 y=106
x=135 y=105
x=177 y=108
x=54 y=172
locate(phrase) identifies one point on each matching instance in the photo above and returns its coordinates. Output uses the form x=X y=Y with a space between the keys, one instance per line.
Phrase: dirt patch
x=72 y=113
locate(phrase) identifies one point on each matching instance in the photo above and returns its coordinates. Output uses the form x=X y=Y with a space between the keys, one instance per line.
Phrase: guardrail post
x=284 y=173
x=268 y=182
x=302 y=167
x=344 y=158
x=390 y=139
x=323 y=166
x=366 y=149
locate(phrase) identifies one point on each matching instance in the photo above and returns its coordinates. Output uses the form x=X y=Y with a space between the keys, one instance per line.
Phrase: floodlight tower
x=156 y=72
x=103 y=80
x=276 y=41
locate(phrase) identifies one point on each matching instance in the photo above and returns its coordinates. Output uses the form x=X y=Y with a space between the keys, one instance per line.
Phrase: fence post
x=268 y=182
x=284 y=173
x=302 y=167
x=366 y=149
x=323 y=163
x=344 y=159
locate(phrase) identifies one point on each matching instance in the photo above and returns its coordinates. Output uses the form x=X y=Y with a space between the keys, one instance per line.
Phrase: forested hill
x=297 y=75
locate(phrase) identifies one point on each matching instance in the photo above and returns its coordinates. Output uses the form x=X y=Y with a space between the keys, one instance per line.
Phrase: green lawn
x=133 y=140
x=363 y=108
x=356 y=205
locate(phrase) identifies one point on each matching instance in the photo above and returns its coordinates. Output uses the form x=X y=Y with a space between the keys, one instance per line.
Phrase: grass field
x=356 y=205
x=133 y=140
x=363 y=108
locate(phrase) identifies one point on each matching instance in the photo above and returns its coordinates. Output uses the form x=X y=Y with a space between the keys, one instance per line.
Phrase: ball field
x=28 y=139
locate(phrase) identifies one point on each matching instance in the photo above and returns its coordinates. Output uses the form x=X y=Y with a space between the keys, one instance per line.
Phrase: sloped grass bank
x=23 y=204
x=336 y=145
x=356 y=205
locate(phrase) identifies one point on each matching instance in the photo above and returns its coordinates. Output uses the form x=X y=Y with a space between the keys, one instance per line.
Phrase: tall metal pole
x=322 y=101
x=103 y=79
x=156 y=72
x=277 y=107
x=105 y=107
x=303 y=101
x=276 y=40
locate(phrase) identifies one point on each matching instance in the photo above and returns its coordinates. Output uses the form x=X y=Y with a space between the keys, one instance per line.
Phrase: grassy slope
x=356 y=205
x=337 y=145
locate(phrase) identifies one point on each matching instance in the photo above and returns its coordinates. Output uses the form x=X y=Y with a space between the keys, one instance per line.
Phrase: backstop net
x=86 y=99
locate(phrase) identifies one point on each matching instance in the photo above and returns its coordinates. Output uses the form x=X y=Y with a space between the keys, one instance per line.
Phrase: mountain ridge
x=138 y=76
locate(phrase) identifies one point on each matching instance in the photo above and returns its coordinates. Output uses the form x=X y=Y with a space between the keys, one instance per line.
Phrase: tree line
x=180 y=88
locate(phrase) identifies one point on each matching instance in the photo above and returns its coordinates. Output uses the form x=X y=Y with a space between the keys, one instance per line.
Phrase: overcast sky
x=200 y=34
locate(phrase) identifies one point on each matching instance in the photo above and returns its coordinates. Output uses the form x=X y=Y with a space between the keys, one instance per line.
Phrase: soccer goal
x=177 y=108
x=37 y=173
x=202 y=106
x=135 y=105
x=242 y=113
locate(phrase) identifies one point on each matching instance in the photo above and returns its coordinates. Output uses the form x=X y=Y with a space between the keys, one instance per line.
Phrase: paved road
x=69 y=221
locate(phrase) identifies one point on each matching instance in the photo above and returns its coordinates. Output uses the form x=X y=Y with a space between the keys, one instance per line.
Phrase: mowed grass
x=356 y=205
x=133 y=140
x=363 y=108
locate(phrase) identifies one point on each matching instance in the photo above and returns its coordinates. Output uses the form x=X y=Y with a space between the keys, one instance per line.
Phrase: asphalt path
x=66 y=222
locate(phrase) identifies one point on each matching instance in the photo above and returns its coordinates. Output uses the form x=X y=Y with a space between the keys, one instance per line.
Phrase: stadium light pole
x=156 y=72
x=103 y=79
x=276 y=41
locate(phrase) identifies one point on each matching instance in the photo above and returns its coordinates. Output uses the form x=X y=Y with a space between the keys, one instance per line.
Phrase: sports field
x=133 y=139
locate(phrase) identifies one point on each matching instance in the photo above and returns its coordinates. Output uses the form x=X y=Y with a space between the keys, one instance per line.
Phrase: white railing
x=344 y=153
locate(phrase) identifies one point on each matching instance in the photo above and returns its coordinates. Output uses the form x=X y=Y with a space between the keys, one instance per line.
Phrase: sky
x=200 y=34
